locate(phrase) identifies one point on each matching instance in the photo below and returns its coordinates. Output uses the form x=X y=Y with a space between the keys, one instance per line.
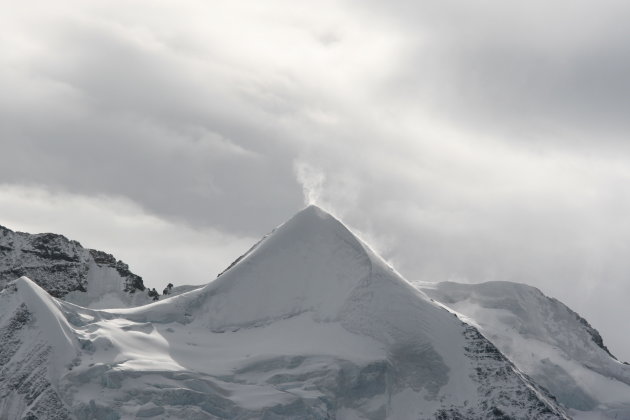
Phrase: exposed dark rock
x=495 y=375
x=154 y=294
x=167 y=290
x=101 y=257
x=57 y=264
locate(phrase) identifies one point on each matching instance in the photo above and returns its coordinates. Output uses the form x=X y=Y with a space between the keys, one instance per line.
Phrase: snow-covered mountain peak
x=309 y=323
x=312 y=301
x=310 y=264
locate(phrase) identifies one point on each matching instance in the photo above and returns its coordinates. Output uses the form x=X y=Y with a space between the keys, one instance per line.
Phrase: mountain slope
x=546 y=340
x=37 y=348
x=67 y=270
x=309 y=324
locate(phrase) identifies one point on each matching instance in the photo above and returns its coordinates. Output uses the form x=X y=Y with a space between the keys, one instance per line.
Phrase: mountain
x=66 y=270
x=546 y=340
x=308 y=324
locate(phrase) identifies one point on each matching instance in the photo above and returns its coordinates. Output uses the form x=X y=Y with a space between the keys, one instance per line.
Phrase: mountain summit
x=310 y=264
x=310 y=324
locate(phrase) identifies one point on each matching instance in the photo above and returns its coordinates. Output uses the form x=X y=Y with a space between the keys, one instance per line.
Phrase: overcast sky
x=466 y=141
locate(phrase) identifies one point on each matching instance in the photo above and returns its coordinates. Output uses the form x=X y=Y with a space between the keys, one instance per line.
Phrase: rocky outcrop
x=62 y=266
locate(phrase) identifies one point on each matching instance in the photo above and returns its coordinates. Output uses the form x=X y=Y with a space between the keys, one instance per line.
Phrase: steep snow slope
x=546 y=340
x=37 y=347
x=65 y=269
x=309 y=324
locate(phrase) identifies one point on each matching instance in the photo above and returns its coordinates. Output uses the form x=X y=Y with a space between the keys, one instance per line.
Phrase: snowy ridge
x=309 y=324
x=38 y=347
x=546 y=340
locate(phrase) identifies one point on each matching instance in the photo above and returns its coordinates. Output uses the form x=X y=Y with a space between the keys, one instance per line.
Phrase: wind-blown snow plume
x=338 y=193
x=312 y=181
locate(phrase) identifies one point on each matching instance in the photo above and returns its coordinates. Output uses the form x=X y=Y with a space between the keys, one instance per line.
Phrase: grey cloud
x=129 y=121
x=527 y=72
x=407 y=115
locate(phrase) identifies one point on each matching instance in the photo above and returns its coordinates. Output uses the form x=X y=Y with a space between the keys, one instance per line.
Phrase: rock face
x=309 y=324
x=546 y=340
x=66 y=270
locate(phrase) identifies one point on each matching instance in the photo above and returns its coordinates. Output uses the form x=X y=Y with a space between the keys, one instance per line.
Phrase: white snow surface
x=58 y=333
x=547 y=341
x=309 y=324
x=105 y=289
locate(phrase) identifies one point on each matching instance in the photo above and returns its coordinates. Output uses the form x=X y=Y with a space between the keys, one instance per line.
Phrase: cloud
x=474 y=142
x=533 y=72
x=159 y=250
x=312 y=181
